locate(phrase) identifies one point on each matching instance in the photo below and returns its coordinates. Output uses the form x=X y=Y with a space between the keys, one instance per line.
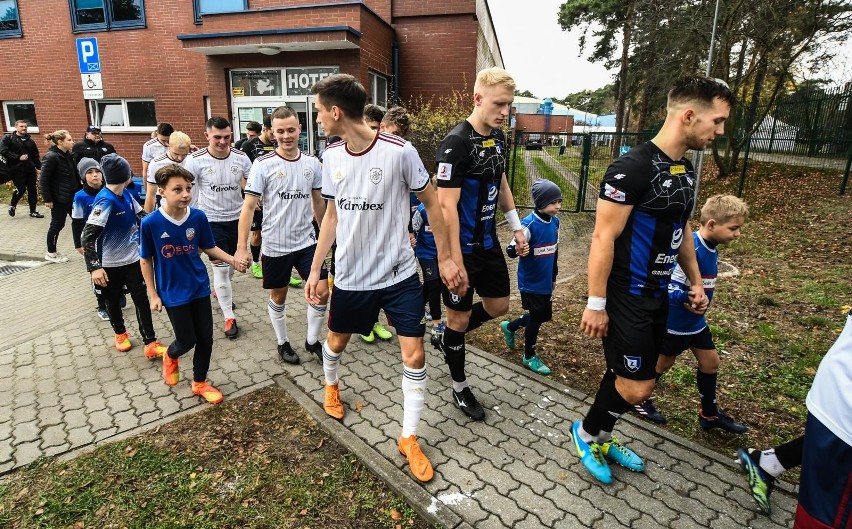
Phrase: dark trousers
x=58 y=215
x=192 y=324
x=131 y=276
x=432 y=296
x=24 y=183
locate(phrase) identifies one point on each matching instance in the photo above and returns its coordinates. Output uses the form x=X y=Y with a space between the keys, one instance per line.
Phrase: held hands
x=242 y=255
x=240 y=264
x=698 y=301
x=595 y=323
x=521 y=246
x=99 y=277
x=454 y=276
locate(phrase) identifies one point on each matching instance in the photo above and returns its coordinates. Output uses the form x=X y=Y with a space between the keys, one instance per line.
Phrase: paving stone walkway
x=63 y=388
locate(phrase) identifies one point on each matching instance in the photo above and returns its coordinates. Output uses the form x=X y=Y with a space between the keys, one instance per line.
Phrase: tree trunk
x=622 y=80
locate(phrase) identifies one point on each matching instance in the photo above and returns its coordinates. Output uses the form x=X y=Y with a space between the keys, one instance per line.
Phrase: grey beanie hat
x=116 y=169
x=85 y=164
x=544 y=192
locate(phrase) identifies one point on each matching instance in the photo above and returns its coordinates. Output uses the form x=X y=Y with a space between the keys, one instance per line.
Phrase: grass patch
x=255 y=462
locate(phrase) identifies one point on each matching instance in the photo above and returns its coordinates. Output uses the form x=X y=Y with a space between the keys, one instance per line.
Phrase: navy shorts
x=826 y=479
x=637 y=329
x=355 y=311
x=430 y=269
x=225 y=234
x=257 y=220
x=540 y=305
x=276 y=270
x=487 y=275
x=674 y=344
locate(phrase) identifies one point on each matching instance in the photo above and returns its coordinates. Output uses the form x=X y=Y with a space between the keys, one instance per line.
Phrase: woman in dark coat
x=58 y=184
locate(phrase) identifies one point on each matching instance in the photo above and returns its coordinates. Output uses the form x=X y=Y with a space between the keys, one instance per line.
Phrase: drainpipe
x=395 y=73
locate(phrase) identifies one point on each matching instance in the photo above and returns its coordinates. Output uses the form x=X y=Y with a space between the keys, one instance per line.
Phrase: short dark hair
x=374 y=113
x=218 y=122
x=267 y=121
x=700 y=88
x=169 y=171
x=342 y=91
x=165 y=129
x=283 y=112
x=253 y=126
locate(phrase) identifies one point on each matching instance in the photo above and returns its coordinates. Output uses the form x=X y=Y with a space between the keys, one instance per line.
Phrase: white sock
x=769 y=462
x=224 y=293
x=413 y=398
x=316 y=317
x=603 y=437
x=255 y=263
x=330 y=361
x=585 y=436
x=458 y=386
x=278 y=316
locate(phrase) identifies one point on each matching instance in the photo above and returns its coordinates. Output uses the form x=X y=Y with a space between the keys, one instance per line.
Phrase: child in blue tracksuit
x=93 y=181
x=427 y=254
x=536 y=271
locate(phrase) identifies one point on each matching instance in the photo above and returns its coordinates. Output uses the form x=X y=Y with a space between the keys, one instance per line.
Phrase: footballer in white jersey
x=219 y=182
x=371 y=194
x=179 y=145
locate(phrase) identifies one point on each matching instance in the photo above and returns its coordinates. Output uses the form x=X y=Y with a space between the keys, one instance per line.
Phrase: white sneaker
x=55 y=257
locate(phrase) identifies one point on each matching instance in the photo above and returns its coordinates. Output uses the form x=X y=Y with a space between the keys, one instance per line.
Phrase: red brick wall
x=535 y=123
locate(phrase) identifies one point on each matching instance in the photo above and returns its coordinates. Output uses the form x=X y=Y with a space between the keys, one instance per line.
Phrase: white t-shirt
x=286 y=187
x=152 y=149
x=217 y=190
x=371 y=190
x=830 y=397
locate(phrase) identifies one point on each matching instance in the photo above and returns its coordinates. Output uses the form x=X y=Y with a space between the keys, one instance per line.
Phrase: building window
x=117 y=115
x=16 y=110
x=378 y=92
x=10 y=21
x=208 y=7
x=88 y=15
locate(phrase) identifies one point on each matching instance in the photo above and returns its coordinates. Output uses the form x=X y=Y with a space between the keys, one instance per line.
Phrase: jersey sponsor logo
x=375 y=175
x=550 y=249
x=489 y=143
x=667 y=184
x=165 y=235
x=216 y=188
x=445 y=171
x=168 y=250
x=190 y=234
x=492 y=193
x=619 y=176
x=632 y=363
x=489 y=207
x=677 y=238
x=358 y=204
x=614 y=193
x=448 y=151
x=677 y=169
x=292 y=195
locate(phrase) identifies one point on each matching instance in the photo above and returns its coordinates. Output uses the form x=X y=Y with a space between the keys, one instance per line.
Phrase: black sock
x=523 y=321
x=453 y=345
x=608 y=407
x=255 y=252
x=707 y=390
x=531 y=337
x=478 y=316
x=790 y=454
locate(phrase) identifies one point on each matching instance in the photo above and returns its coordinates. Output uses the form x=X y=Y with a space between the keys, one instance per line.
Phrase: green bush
x=431 y=120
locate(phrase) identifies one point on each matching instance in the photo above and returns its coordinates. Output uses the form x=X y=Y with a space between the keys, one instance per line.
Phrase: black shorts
x=257 y=220
x=637 y=329
x=356 y=311
x=487 y=275
x=225 y=234
x=539 y=305
x=276 y=270
x=674 y=344
x=430 y=269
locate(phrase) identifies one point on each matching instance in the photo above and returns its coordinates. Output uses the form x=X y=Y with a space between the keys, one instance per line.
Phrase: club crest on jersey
x=309 y=173
x=235 y=170
x=614 y=193
x=632 y=363
x=492 y=193
x=677 y=238
x=455 y=297
x=97 y=212
x=375 y=175
x=445 y=171
x=190 y=234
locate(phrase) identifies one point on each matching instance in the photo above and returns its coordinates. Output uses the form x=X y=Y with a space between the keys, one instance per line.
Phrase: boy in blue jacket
x=536 y=271
x=722 y=217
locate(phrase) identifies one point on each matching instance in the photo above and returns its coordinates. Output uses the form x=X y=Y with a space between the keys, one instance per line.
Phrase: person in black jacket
x=92 y=146
x=24 y=161
x=58 y=183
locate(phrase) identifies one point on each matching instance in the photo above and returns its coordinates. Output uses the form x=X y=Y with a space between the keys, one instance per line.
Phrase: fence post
x=584 y=171
x=745 y=165
x=846 y=172
x=772 y=134
x=518 y=136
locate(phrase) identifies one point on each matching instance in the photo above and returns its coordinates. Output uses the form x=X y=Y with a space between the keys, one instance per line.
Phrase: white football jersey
x=829 y=399
x=371 y=190
x=158 y=163
x=286 y=187
x=152 y=149
x=217 y=190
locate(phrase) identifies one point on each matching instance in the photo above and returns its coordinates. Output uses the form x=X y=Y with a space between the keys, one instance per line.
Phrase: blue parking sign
x=87 y=55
